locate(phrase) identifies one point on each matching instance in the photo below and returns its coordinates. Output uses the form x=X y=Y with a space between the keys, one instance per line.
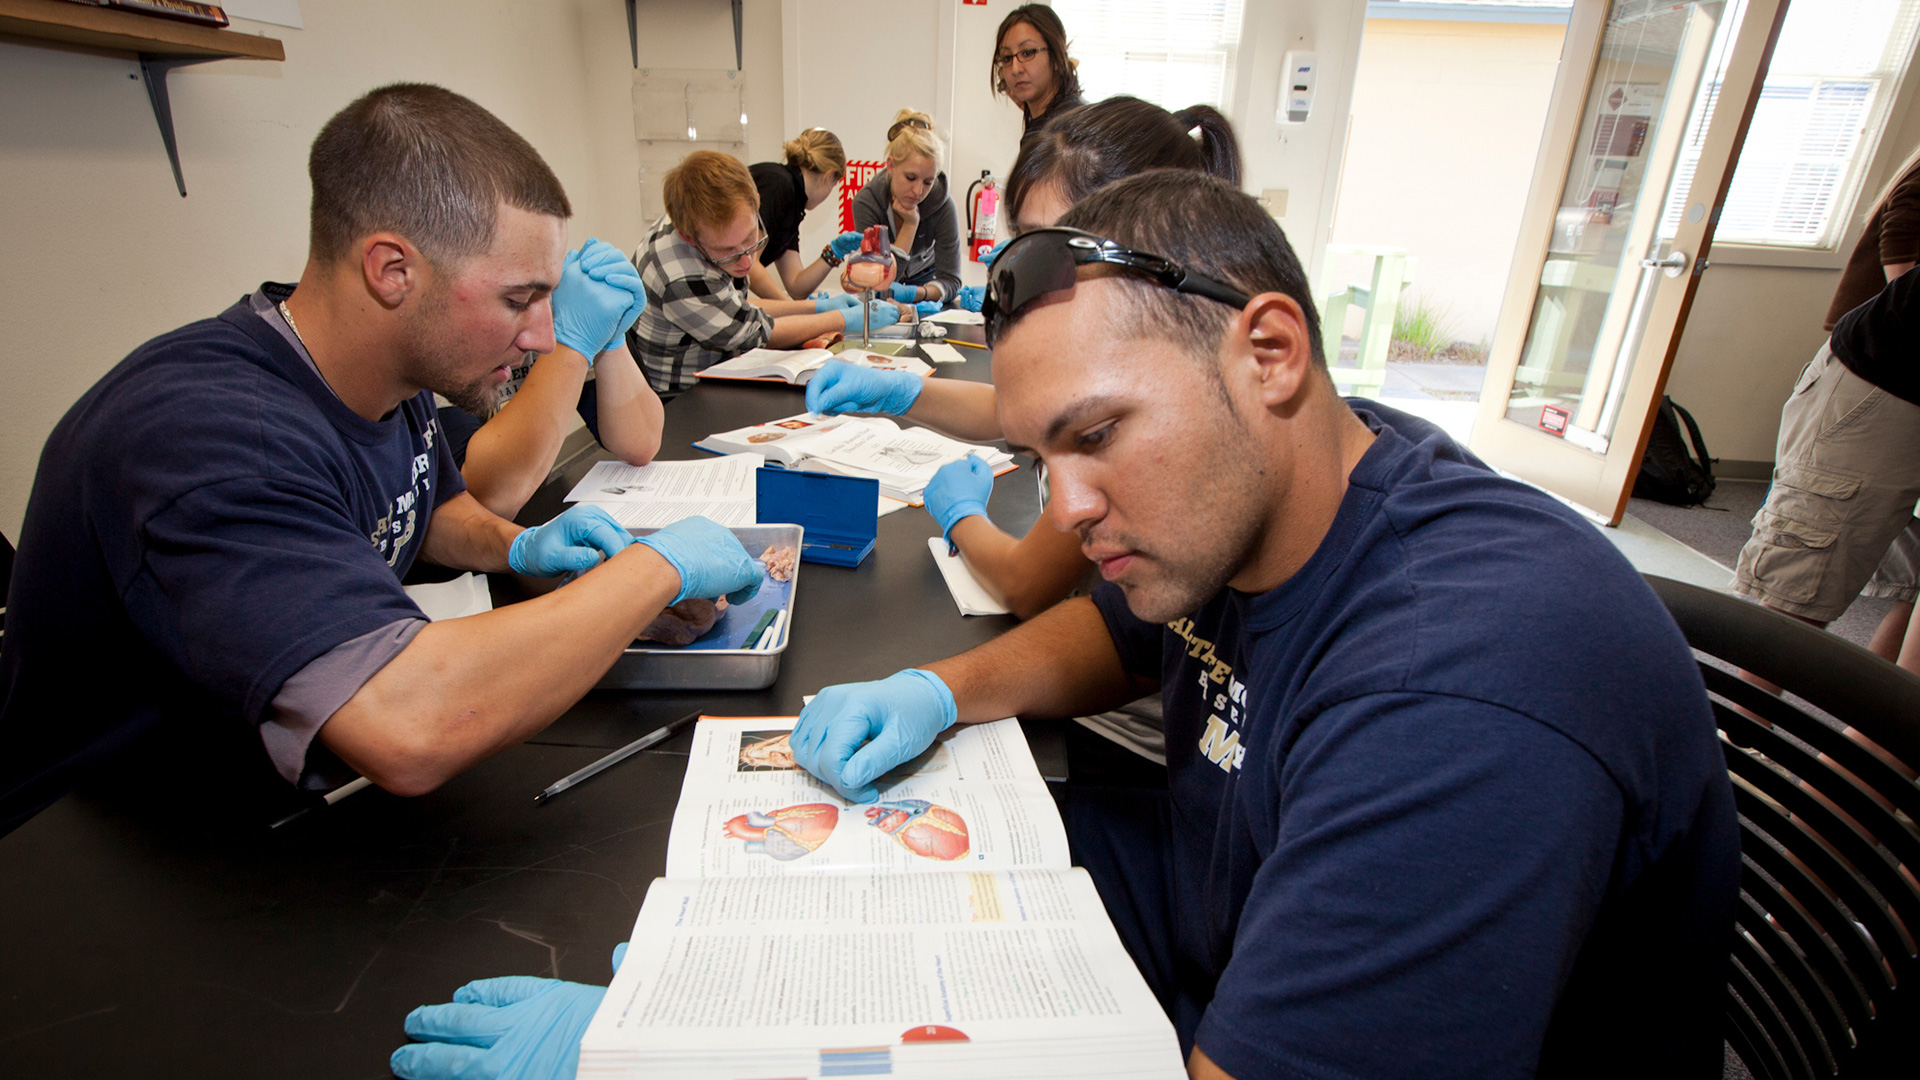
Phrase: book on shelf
x=902 y=459
x=796 y=366
x=937 y=932
x=178 y=10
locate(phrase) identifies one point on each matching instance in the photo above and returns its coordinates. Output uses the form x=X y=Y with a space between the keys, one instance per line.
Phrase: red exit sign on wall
x=974 y=3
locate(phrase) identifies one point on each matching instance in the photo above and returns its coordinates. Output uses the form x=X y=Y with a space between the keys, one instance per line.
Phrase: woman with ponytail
x=815 y=164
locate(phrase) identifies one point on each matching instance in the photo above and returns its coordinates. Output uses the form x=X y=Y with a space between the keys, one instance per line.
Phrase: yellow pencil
x=968 y=344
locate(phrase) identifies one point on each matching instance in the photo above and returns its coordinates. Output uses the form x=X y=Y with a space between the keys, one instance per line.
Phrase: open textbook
x=796 y=366
x=937 y=932
x=902 y=459
x=663 y=492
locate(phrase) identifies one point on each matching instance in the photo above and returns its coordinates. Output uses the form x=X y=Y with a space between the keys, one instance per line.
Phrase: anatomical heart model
x=929 y=831
x=870 y=268
x=786 y=833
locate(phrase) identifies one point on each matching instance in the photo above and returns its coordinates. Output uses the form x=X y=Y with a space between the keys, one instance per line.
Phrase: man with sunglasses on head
x=694 y=267
x=1444 y=794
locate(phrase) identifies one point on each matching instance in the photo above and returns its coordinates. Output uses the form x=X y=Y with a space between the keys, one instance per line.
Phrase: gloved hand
x=604 y=263
x=927 y=307
x=879 y=313
x=709 y=560
x=845 y=244
x=992 y=253
x=518 y=1026
x=959 y=490
x=852 y=733
x=971 y=297
x=840 y=387
x=588 y=311
x=823 y=302
x=904 y=294
x=572 y=542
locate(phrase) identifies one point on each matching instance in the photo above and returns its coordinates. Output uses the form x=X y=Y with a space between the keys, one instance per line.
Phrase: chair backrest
x=1824 y=980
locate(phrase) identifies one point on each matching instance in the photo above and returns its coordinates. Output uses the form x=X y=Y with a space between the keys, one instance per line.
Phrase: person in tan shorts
x=1839 y=520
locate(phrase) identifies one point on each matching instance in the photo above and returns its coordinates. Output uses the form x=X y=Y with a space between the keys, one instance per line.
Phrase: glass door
x=1649 y=110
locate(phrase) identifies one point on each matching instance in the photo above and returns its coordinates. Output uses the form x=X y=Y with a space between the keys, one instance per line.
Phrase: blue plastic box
x=840 y=515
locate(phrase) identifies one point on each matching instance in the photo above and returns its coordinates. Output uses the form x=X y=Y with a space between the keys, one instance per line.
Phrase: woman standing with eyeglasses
x=1031 y=66
x=909 y=197
x=694 y=268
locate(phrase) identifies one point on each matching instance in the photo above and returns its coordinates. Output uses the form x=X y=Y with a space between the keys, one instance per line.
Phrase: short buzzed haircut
x=1208 y=226
x=707 y=189
x=428 y=164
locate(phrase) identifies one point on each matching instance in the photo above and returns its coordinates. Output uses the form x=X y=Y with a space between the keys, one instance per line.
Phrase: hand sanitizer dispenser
x=1296 y=87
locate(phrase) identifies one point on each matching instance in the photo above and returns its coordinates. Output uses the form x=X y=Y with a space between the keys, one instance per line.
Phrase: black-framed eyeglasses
x=719 y=262
x=1025 y=56
x=1041 y=261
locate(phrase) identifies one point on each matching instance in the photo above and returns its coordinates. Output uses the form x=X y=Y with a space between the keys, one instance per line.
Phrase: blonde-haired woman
x=909 y=197
x=815 y=164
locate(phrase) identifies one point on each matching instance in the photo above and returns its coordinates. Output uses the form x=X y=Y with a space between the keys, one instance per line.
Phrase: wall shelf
x=159 y=44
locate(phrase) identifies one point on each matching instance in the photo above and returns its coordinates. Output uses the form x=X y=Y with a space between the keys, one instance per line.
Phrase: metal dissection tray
x=715 y=661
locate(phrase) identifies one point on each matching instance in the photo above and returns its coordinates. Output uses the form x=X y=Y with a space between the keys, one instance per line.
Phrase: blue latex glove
x=959 y=490
x=992 y=253
x=823 y=302
x=570 y=543
x=905 y=294
x=971 y=297
x=514 y=1027
x=709 y=560
x=605 y=263
x=845 y=244
x=588 y=311
x=851 y=734
x=840 y=387
x=880 y=313
x=927 y=307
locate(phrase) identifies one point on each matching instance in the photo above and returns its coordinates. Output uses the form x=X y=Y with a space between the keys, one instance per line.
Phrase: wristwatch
x=827 y=256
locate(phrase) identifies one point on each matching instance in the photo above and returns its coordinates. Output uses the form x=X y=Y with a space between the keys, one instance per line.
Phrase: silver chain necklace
x=287 y=314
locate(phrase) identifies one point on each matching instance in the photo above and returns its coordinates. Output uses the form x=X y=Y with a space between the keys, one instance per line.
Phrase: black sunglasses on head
x=1046 y=260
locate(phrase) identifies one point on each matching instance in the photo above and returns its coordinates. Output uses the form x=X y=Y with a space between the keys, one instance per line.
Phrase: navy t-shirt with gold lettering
x=206 y=521
x=1447 y=802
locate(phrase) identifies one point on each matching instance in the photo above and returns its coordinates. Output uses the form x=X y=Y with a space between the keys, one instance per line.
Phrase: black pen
x=657 y=735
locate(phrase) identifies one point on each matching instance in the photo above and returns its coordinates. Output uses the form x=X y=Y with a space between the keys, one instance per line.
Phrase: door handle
x=1673 y=265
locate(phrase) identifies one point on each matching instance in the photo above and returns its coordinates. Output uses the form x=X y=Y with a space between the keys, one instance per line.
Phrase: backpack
x=1669 y=473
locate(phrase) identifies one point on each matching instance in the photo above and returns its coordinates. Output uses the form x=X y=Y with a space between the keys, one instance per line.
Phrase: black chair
x=1824 y=981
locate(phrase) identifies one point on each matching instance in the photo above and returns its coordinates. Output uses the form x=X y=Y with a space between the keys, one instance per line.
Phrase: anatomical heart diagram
x=789 y=832
x=929 y=831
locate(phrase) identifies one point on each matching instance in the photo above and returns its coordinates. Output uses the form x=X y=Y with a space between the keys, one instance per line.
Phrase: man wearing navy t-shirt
x=223 y=521
x=1444 y=794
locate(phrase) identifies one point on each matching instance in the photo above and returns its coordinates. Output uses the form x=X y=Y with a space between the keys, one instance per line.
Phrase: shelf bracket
x=739 y=59
x=154 y=68
x=633 y=34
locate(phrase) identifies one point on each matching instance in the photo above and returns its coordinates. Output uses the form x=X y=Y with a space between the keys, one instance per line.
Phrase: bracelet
x=827 y=256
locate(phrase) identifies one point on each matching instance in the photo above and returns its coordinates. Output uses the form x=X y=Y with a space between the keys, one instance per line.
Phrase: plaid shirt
x=696 y=315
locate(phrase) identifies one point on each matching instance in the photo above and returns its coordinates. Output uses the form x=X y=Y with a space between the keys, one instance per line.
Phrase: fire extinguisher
x=983 y=214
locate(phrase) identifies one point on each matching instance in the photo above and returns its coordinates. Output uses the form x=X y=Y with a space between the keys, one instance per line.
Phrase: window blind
x=1815 y=128
x=1171 y=53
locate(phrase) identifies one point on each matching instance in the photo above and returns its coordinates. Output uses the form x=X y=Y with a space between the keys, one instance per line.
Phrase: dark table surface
x=135 y=941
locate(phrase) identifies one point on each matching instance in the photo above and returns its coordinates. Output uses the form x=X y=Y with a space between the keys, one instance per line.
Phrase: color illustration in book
x=765 y=436
x=765 y=751
x=786 y=833
x=929 y=831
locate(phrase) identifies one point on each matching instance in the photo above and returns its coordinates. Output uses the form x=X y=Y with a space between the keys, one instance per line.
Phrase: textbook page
x=904 y=460
x=974 y=800
x=994 y=973
x=661 y=493
x=790 y=365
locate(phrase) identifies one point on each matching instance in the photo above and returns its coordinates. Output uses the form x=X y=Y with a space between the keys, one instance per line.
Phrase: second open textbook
x=936 y=932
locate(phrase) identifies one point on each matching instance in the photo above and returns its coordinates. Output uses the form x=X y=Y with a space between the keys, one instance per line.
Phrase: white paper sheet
x=958 y=317
x=942 y=353
x=650 y=496
x=968 y=595
x=456 y=599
